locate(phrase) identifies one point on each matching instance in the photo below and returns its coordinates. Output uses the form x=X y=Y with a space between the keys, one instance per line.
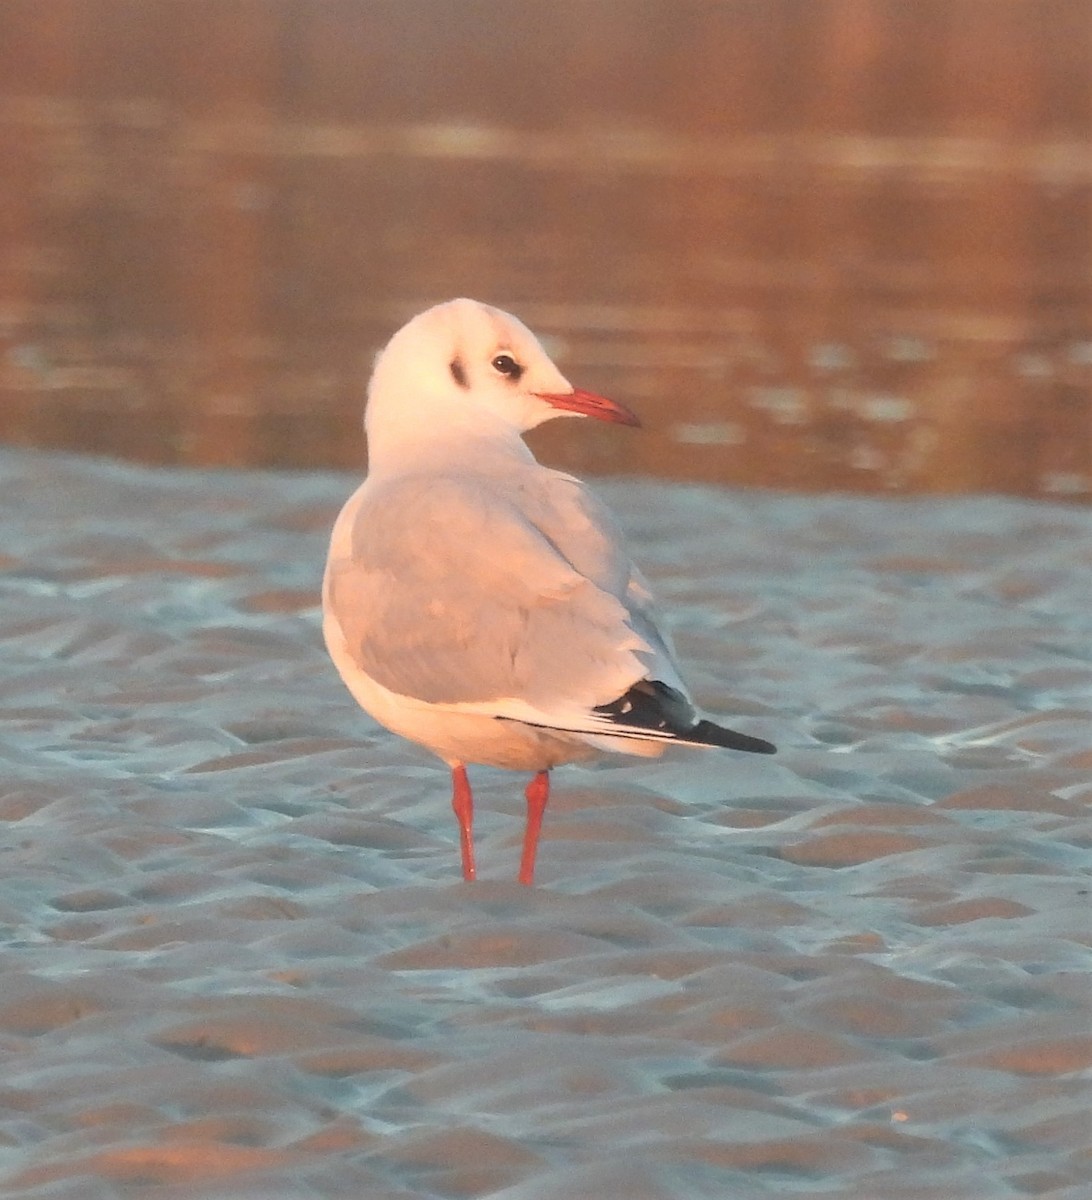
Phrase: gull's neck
x=477 y=446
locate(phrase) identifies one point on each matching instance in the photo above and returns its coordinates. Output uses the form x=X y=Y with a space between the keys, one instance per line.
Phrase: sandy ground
x=239 y=961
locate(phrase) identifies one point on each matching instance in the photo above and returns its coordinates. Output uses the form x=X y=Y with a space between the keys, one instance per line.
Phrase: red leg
x=538 y=792
x=462 y=801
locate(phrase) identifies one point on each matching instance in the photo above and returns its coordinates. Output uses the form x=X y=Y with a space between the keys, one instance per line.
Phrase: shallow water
x=239 y=960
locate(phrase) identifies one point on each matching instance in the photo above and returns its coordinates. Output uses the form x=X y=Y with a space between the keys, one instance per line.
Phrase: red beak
x=588 y=404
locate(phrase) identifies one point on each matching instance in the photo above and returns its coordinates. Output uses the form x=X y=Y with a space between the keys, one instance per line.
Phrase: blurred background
x=816 y=244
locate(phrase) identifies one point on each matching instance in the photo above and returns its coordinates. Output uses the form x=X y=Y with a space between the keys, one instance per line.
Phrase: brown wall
x=816 y=243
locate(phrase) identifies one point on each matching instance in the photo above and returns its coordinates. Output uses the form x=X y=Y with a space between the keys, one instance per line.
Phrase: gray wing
x=451 y=593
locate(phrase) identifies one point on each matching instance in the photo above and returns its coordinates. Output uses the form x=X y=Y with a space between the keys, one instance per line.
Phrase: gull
x=479 y=603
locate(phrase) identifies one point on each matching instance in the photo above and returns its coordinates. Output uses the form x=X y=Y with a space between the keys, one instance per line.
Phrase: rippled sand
x=239 y=961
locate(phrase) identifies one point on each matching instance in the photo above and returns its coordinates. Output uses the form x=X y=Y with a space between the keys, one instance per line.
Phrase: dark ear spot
x=458 y=372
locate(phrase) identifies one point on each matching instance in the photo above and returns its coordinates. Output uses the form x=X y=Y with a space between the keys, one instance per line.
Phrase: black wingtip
x=709 y=734
x=666 y=713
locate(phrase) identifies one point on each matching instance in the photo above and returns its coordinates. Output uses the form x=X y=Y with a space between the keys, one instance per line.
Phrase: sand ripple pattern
x=238 y=960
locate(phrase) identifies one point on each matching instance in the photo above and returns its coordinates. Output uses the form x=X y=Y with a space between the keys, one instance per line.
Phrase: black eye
x=507 y=365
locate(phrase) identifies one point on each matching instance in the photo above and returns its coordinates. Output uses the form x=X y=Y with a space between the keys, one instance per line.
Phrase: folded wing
x=452 y=594
x=449 y=594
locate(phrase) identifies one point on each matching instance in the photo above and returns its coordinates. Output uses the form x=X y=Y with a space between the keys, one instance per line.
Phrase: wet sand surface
x=239 y=961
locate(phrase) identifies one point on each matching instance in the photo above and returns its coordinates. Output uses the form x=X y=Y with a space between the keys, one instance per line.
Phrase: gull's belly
x=454 y=736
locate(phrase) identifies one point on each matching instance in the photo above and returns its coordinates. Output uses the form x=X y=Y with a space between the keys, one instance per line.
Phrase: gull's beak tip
x=588 y=404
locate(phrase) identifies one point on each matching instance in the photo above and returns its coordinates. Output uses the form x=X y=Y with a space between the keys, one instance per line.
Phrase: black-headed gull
x=479 y=603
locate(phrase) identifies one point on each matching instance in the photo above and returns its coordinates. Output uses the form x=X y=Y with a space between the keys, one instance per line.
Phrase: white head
x=466 y=369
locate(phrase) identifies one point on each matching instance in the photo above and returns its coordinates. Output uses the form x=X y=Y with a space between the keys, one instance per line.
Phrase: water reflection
x=804 y=269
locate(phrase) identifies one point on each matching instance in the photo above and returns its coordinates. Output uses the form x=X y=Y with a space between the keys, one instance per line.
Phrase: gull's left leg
x=462 y=801
x=538 y=793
